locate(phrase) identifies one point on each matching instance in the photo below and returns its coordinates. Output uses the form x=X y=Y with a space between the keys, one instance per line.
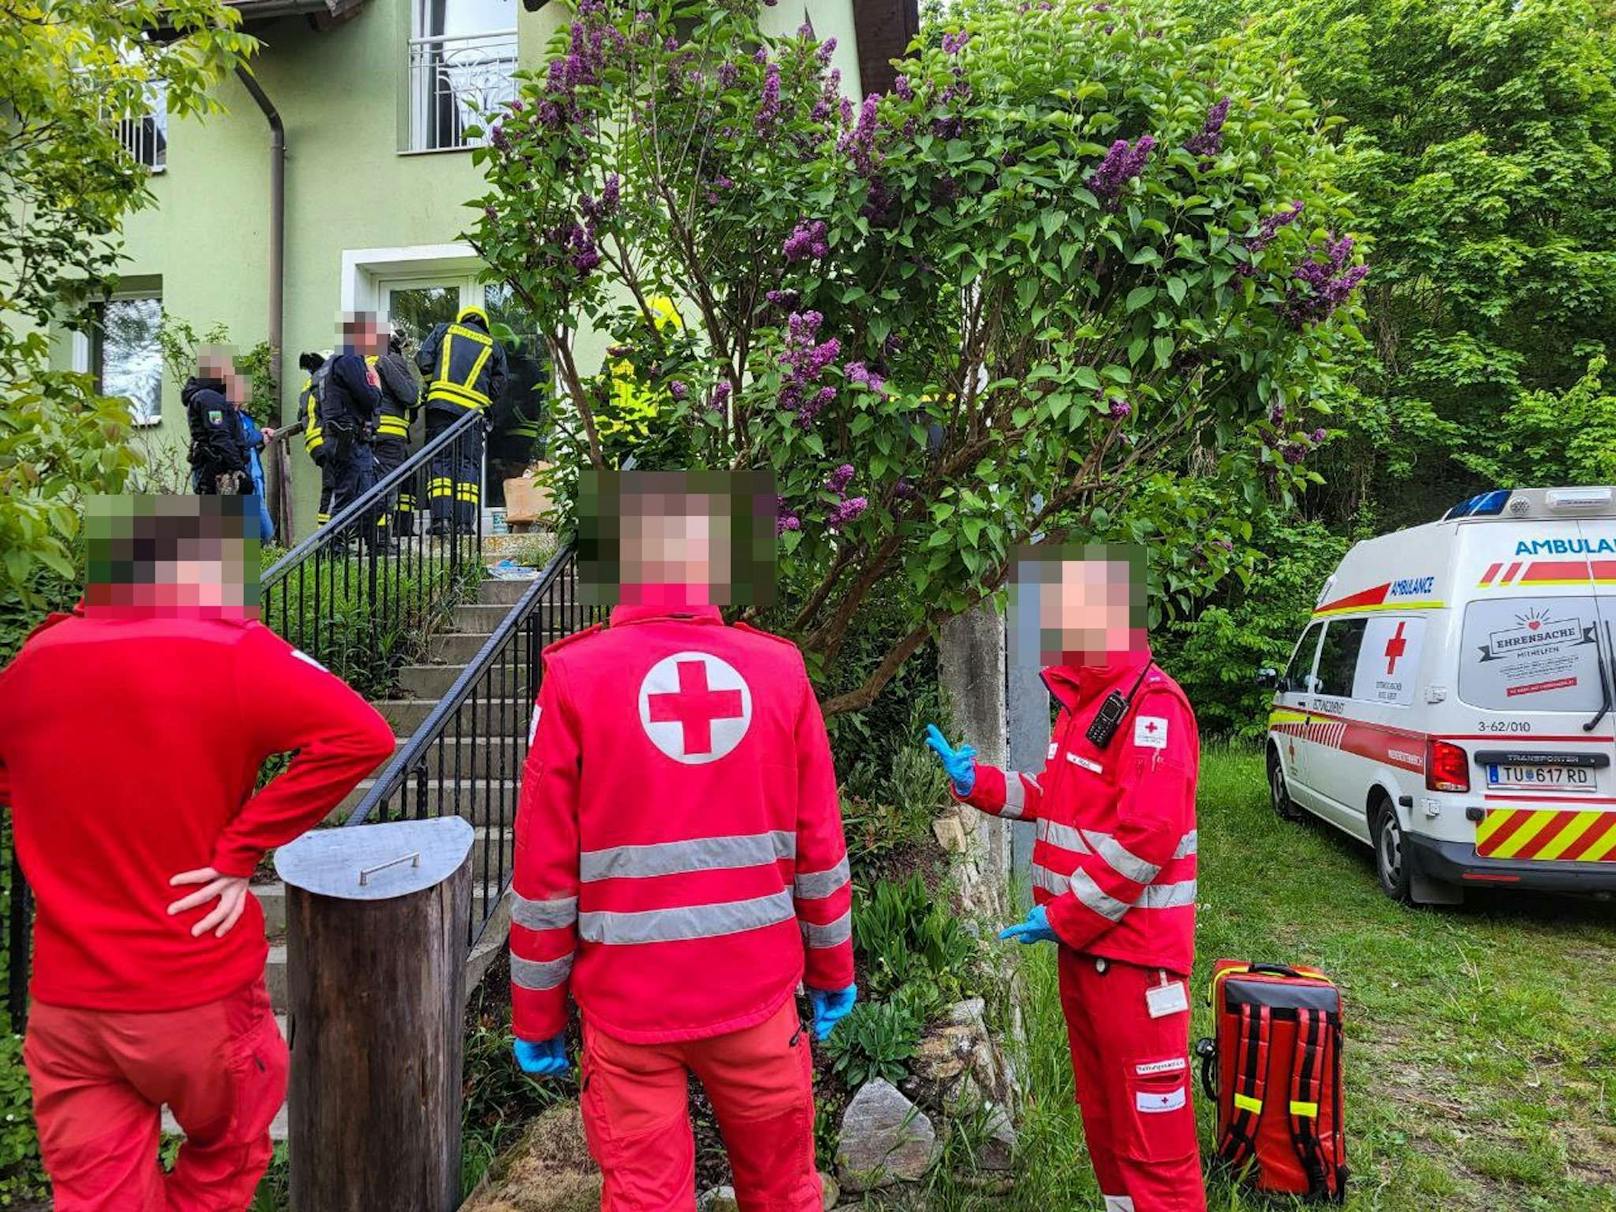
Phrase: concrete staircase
x=423 y=686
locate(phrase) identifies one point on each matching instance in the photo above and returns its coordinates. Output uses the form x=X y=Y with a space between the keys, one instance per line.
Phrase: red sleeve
x=1014 y=794
x=544 y=884
x=823 y=886
x=289 y=701
x=1155 y=817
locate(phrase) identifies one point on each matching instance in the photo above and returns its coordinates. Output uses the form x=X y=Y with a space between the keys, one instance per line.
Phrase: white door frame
x=365 y=270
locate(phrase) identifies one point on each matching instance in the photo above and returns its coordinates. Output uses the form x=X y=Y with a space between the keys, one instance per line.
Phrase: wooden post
x=376 y=979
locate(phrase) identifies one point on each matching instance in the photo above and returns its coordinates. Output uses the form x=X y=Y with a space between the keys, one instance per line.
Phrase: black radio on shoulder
x=1103 y=727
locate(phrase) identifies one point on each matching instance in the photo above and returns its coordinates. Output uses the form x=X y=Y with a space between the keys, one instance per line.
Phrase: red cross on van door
x=1396 y=646
x=695 y=707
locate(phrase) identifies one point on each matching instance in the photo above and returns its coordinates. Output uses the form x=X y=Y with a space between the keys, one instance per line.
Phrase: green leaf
x=1138 y=297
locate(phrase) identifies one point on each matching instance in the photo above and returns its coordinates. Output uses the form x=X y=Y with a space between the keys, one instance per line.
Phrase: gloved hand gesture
x=959 y=763
x=831 y=1006
x=1035 y=929
x=546 y=1058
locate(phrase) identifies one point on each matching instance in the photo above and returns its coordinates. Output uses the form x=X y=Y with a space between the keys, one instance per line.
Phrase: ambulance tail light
x=1447 y=767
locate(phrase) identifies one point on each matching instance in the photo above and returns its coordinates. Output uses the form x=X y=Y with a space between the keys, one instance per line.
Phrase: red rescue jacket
x=130 y=741
x=1114 y=863
x=680 y=863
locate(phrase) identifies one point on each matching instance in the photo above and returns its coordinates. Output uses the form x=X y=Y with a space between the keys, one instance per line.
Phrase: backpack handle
x=1275 y=970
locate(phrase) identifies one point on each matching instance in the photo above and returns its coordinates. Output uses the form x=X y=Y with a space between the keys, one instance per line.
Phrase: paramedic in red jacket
x=1113 y=868
x=131 y=733
x=680 y=865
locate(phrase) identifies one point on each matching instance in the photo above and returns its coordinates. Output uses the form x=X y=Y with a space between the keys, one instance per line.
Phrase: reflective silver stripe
x=1050 y=881
x=544 y=915
x=1036 y=785
x=1092 y=896
x=1015 y=796
x=540 y=975
x=692 y=921
x=1063 y=836
x=1186 y=845
x=831 y=933
x=813 y=885
x=1168 y=896
x=1122 y=860
x=697 y=854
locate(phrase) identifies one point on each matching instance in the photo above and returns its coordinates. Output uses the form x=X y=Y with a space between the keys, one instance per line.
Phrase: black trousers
x=391 y=452
x=353 y=473
x=454 y=485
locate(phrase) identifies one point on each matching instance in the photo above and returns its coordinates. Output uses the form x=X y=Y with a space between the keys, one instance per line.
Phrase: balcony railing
x=454 y=81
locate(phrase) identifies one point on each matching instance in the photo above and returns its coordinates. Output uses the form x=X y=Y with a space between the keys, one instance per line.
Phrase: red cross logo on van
x=1395 y=647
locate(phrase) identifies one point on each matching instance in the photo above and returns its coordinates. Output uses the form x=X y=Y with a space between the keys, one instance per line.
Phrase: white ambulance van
x=1451 y=703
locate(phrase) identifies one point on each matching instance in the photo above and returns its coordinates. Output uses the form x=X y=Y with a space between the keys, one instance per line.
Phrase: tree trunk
x=376 y=976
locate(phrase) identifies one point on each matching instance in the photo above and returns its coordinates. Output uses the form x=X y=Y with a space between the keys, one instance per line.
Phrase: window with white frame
x=145 y=135
x=126 y=356
x=462 y=66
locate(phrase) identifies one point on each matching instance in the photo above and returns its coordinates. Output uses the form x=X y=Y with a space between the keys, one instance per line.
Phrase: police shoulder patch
x=215 y=416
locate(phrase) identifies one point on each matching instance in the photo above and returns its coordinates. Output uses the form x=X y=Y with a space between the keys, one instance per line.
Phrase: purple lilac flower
x=782 y=298
x=1294 y=452
x=1120 y=409
x=859 y=143
x=718 y=398
x=904 y=489
x=847 y=112
x=954 y=43
x=820 y=111
x=1121 y=164
x=760 y=56
x=497 y=137
x=1318 y=287
x=827 y=48
x=861 y=375
x=678 y=390
x=809 y=240
x=839 y=479
x=610 y=196
x=805 y=361
x=1276 y=415
x=728 y=73
x=581 y=248
x=670 y=44
x=786 y=521
x=490 y=214
x=878 y=204
x=1209 y=142
x=805 y=31
x=1266 y=231
x=769 y=106
x=846 y=512
x=517 y=106
x=903 y=88
x=1318 y=435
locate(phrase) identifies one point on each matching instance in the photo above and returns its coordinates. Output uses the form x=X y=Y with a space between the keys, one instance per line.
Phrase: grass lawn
x=1481 y=1042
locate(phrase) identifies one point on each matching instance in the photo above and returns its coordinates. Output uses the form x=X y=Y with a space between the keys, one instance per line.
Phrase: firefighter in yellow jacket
x=464 y=369
x=308 y=411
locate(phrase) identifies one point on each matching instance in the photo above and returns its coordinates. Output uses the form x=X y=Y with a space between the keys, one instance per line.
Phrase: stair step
x=504 y=678
x=457 y=647
x=473 y=756
x=502 y=715
x=498 y=592
x=476 y=799
x=480 y=619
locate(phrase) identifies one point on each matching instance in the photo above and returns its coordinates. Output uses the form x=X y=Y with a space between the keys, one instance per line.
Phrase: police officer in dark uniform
x=308 y=411
x=218 y=451
x=465 y=369
x=349 y=406
x=401 y=393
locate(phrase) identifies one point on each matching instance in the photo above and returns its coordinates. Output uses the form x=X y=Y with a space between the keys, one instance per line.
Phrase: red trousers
x=100 y=1080
x=760 y=1082
x=1133 y=1084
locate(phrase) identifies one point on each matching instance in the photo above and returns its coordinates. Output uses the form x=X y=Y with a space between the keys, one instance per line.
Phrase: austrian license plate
x=1576 y=779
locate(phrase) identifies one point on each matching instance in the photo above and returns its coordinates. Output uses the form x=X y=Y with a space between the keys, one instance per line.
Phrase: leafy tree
x=1079 y=274
x=1479 y=146
x=69 y=71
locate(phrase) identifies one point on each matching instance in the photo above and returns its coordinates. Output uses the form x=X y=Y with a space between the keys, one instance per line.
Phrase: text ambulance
x=1451 y=701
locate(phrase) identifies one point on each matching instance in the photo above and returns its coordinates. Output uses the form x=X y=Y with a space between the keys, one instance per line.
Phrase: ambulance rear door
x=1599 y=540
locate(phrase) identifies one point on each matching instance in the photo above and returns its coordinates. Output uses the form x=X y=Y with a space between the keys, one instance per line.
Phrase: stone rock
x=972 y=1012
x=719 y=1199
x=885 y=1139
x=833 y=1191
x=998 y=1148
x=937 y=1058
x=950 y=833
x=549 y=1170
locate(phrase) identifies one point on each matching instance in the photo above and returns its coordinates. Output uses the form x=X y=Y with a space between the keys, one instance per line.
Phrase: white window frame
x=420 y=99
x=86 y=349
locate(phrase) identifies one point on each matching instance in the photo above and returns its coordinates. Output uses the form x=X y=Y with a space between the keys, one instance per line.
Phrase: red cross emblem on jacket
x=680 y=864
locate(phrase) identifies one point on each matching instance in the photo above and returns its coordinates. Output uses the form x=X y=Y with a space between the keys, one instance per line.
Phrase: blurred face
x=1087 y=603
x=186 y=555
x=676 y=538
x=364 y=334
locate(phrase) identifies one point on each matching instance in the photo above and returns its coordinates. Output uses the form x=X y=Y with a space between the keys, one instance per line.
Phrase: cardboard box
x=527 y=502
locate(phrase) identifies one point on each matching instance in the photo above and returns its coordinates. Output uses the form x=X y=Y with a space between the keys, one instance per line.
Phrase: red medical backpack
x=1274 y=1072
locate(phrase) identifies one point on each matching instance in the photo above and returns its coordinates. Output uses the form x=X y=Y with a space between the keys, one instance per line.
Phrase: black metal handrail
x=466 y=758
x=361 y=596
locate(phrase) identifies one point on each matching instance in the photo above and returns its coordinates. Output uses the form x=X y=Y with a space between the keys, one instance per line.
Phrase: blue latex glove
x=1034 y=930
x=547 y=1058
x=831 y=1006
x=959 y=763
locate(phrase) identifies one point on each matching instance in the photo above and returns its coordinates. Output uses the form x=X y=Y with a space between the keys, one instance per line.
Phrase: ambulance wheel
x=1278 y=793
x=1391 y=853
